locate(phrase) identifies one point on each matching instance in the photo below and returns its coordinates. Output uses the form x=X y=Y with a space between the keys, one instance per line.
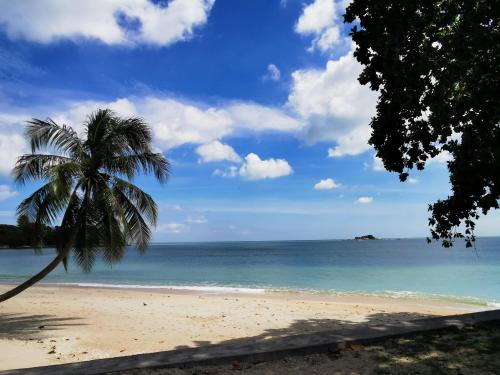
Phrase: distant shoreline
x=261 y=241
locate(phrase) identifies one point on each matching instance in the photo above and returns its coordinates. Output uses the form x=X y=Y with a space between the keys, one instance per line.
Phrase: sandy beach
x=53 y=324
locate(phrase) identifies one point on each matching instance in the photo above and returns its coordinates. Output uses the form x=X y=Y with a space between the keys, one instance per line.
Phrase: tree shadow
x=461 y=348
x=25 y=327
x=373 y=325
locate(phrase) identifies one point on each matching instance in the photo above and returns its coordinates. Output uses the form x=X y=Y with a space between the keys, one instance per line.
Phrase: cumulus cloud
x=326 y=184
x=318 y=19
x=108 y=21
x=257 y=117
x=334 y=105
x=273 y=73
x=364 y=200
x=412 y=180
x=254 y=168
x=176 y=122
x=6 y=192
x=217 y=151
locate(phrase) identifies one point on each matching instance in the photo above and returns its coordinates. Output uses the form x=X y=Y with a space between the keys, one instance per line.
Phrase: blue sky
x=254 y=102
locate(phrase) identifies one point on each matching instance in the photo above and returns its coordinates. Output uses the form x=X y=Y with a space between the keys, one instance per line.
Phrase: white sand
x=58 y=324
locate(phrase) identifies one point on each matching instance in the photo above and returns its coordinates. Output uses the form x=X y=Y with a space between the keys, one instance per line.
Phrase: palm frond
x=86 y=234
x=46 y=133
x=130 y=165
x=32 y=167
x=142 y=201
x=44 y=205
x=97 y=126
x=138 y=230
x=112 y=225
x=132 y=133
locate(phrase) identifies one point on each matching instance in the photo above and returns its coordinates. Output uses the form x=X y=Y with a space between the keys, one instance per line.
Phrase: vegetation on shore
x=24 y=234
x=365 y=237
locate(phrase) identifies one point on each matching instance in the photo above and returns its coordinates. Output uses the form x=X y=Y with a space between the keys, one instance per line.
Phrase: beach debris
x=53 y=340
x=41 y=327
x=144 y=304
x=52 y=350
x=237 y=365
x=123 y=350
x=85 y=352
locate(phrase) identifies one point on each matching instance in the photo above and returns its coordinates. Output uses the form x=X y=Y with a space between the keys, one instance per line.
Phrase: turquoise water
x=408 y=267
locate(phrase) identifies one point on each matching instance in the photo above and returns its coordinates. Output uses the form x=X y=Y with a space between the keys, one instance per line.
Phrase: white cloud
x=273 y=73
x=364 y=200
x=109 y=21
x=257 y=117
x=377 y=164
x=318 y=19
x=6 y=192
x=217 y=151
x=412 y=180
x=254 y=168
x=176 y=122
x=12 y=143
x=171 y=228
x=229 y=172
x=328 y=38
x=442 y=157
x=334 y=105
x=326 y=184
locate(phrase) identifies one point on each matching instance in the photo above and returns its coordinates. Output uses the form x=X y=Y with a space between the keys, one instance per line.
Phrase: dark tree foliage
x=436 y=65
x=11 y=236
x=27 y=234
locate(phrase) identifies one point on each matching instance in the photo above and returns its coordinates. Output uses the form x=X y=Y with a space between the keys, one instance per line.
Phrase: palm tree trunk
x=30 y=282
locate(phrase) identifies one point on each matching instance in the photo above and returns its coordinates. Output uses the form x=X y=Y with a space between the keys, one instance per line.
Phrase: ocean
x=408 y=268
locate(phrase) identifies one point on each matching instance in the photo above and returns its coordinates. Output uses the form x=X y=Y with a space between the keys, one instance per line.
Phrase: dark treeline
x=26 y=234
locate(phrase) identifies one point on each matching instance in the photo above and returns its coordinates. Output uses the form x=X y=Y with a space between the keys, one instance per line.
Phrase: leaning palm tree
x=87 y=188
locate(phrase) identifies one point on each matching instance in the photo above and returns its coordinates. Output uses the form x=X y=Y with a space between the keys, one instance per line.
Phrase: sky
x=255 y=103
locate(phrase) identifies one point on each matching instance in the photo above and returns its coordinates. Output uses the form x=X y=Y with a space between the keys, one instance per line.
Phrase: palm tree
x=87 y=187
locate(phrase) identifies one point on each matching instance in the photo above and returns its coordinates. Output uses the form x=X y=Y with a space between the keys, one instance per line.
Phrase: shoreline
x=269 y=292
x=53 y=324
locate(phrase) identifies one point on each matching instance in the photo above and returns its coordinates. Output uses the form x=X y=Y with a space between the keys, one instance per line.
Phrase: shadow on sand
x=374 y=324
x=25 y=327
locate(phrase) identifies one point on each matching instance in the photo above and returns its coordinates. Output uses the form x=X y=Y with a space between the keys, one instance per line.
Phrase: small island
x=365 y=237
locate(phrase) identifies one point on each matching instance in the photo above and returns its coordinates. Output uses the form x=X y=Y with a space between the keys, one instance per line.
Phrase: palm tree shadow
x=26 y=327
